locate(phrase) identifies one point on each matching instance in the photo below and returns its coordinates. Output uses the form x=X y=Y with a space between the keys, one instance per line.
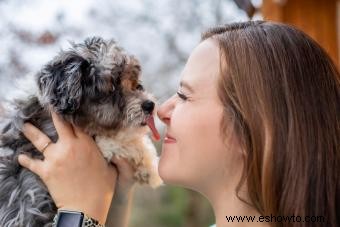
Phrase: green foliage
x=170 y=207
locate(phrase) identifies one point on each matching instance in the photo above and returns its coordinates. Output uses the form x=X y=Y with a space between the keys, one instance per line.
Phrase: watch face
x=70 y=219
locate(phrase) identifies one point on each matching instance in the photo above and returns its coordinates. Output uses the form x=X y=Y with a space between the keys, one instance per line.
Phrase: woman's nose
x=165 y=110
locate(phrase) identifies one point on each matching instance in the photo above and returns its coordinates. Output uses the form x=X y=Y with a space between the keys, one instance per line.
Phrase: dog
x=96 y=86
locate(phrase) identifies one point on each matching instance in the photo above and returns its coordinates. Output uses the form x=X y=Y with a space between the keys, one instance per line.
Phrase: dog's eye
x=117 y=81
x=140 y=87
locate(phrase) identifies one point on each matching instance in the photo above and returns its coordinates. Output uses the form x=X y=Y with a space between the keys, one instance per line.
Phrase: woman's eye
x=181 y=96
x=140 y=87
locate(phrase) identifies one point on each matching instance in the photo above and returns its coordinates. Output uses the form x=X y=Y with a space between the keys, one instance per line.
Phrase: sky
x=160 y=33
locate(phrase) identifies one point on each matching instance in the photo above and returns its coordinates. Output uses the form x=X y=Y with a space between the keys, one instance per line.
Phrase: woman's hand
x=125 y=180
x=74 y=170
x=120 y=209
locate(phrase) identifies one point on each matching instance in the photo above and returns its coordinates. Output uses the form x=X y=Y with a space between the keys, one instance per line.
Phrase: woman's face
x=193 y=153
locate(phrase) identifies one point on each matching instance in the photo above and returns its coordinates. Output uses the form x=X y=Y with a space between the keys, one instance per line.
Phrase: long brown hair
x=283 y=93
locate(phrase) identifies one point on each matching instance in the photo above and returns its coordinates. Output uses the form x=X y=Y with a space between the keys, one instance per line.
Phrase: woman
x=254 y=127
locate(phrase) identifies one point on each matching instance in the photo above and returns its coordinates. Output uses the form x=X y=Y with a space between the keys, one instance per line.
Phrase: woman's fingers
x=79 y=132
x=64 y=129
x=126 y=173
x=35 y=165
x=37 y=138
x=122 y=164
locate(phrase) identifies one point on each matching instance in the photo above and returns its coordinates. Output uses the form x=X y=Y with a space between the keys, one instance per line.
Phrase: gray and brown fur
x=94 y=85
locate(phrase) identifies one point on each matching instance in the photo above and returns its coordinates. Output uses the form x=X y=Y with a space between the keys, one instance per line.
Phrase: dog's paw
x=145 y=176
x=155 y=180
x=142 y=176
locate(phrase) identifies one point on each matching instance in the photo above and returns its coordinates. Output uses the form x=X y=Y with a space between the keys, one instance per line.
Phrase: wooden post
x=317 y=18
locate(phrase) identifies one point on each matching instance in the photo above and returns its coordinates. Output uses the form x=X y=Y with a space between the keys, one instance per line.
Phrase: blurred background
x=161 y=34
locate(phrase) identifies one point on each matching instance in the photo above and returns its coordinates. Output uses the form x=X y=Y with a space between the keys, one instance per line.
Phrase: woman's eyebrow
x=186 y=85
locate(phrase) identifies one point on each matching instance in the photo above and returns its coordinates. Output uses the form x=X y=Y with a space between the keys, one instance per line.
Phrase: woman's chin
x=167 y=173
x=167 y=162
x=163 y=170
x=170 y=176
x=169 y=168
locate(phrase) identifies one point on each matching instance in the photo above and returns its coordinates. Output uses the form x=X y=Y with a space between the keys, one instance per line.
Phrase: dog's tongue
x=151 y=123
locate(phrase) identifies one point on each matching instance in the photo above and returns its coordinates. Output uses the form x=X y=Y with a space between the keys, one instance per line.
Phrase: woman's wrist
x=120 y=209
x=97 y=210
x=92 y=213
x=123 y=195
x=66 y=217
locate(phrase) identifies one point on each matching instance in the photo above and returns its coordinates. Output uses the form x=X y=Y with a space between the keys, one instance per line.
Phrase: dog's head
x=96 y=85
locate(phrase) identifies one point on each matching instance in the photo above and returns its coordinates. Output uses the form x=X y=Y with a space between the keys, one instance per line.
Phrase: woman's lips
x=169 y=139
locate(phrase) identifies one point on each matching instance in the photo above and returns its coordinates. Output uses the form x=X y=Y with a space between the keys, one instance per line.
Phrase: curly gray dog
x=95 y=86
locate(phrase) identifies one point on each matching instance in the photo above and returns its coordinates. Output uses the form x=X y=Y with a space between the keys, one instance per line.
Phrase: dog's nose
x=148 y=106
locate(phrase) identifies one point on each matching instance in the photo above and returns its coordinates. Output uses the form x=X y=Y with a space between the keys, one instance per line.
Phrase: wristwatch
x=68 y=218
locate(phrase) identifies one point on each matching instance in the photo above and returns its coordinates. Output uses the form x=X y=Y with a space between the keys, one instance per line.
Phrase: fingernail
x=21 y=158
x=24 y=127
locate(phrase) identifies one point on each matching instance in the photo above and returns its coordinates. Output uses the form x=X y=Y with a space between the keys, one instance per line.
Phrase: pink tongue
x=151 y=123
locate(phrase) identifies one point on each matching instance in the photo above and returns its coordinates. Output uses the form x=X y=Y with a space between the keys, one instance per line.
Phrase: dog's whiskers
x=92 y=85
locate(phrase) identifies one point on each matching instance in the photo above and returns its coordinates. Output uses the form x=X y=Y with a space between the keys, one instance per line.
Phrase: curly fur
x=94 y=85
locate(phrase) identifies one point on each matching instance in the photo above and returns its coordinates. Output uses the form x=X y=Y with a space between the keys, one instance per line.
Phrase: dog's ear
x=60 y=82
